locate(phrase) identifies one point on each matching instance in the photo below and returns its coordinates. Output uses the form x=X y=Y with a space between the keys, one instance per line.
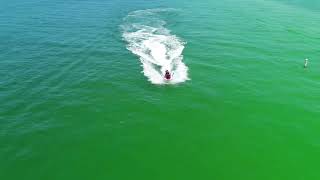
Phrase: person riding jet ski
x=167 y=75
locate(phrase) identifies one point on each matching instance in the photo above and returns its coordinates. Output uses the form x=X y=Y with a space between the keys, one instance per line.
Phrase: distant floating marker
x=306 y=63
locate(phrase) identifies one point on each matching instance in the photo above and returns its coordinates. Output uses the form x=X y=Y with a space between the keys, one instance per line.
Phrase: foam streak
x=157 y=49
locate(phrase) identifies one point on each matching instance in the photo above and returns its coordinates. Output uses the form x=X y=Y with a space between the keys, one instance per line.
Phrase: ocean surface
x=82 y=94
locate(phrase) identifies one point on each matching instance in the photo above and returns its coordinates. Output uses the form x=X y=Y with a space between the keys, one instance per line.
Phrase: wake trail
x=158 y=50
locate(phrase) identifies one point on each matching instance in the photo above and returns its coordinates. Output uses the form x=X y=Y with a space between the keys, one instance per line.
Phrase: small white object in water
x=305 y=63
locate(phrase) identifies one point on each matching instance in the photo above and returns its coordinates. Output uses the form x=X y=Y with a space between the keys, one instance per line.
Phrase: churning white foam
x=157 y=48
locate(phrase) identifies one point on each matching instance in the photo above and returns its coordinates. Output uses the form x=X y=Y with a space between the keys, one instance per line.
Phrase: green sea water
x=75 y=102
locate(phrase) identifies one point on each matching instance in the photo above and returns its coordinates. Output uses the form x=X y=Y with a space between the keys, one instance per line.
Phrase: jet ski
x=167 y=75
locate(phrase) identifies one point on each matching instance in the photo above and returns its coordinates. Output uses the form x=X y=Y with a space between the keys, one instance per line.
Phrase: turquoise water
x=77 y=103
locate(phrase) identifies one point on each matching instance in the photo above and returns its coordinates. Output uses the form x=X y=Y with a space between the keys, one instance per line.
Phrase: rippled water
x=77 y=104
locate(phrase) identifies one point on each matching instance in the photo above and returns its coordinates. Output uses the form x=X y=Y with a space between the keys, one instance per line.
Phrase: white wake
x=157 y=48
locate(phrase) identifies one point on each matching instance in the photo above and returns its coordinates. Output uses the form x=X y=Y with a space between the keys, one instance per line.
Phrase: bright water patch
x=157 y=48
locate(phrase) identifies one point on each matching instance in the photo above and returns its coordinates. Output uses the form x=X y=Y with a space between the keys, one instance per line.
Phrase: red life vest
x=167 y=75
